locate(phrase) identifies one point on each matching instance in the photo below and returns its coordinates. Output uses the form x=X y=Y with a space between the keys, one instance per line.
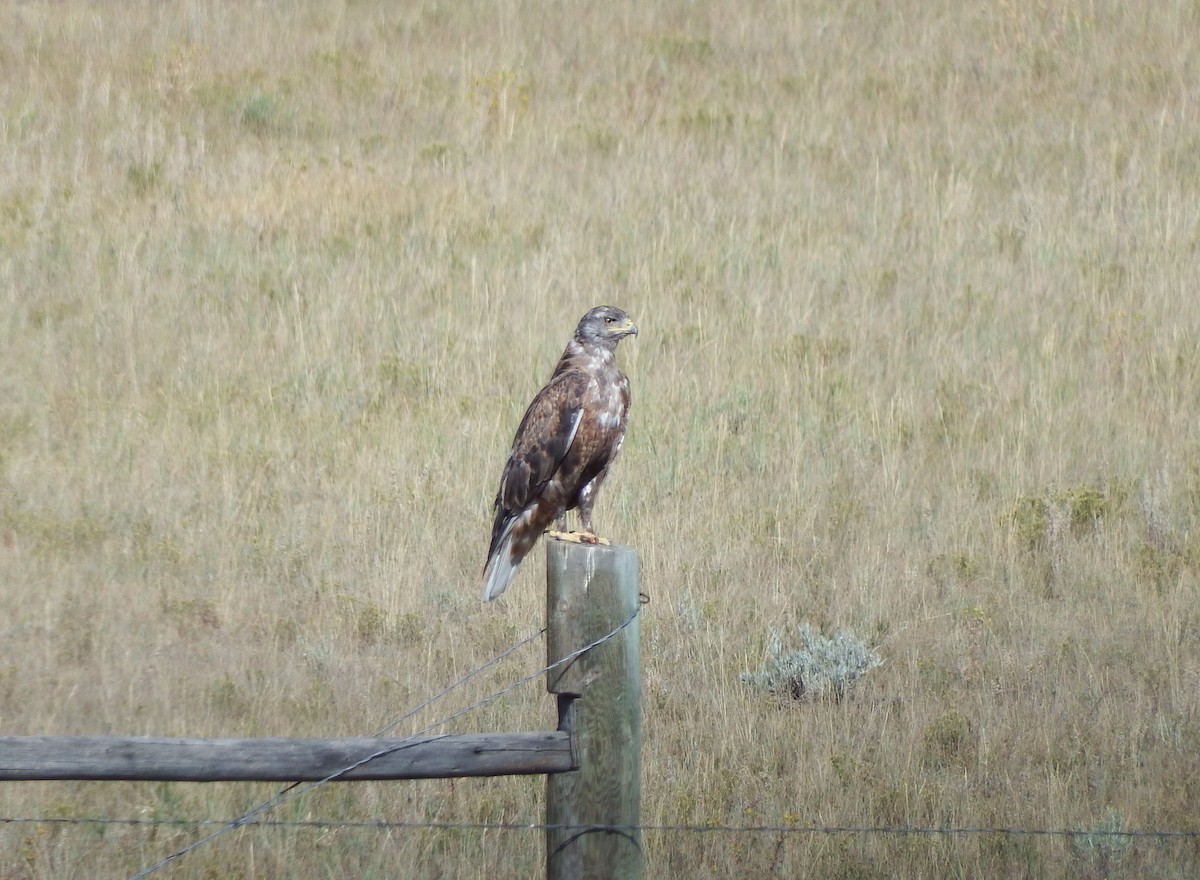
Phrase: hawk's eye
x=609 y=320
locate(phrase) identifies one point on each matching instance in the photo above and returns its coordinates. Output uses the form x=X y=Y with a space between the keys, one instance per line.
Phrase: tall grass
x=918 y=358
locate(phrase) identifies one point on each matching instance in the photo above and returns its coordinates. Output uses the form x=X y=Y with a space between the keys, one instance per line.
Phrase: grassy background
x=916 y=286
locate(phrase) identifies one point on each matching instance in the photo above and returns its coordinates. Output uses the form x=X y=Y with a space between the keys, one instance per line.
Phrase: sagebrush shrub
x=816 y=667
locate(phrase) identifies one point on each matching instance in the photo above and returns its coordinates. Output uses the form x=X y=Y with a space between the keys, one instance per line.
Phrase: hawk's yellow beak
x=628 y=328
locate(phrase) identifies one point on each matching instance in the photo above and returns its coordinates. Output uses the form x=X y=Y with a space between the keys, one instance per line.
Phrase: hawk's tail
x=501 y=564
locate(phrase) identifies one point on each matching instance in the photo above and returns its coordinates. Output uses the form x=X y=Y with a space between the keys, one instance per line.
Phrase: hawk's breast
x=613 y=414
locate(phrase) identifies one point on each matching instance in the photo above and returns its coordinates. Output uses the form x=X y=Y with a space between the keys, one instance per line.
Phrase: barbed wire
x=296 y=789
x=791 y=828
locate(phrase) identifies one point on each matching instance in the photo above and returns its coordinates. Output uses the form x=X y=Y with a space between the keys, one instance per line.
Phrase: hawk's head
x=605 y=325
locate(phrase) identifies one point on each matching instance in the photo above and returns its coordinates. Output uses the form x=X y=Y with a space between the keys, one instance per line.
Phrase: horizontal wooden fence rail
x=161 y=759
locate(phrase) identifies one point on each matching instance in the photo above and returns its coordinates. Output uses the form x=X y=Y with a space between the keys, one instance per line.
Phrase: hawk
x=568 y=439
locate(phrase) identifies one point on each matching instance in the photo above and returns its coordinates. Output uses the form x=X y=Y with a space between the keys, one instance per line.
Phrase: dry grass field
x=917 y=290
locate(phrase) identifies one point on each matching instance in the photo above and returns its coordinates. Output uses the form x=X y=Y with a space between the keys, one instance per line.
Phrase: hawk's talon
x=578 y=537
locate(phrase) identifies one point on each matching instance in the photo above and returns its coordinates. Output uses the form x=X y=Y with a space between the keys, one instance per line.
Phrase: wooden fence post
x=590 y=591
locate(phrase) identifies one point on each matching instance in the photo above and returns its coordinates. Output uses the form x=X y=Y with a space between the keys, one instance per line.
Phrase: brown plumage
x=564 y=447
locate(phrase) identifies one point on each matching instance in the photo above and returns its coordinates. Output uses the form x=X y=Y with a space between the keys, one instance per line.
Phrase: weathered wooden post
x=590 y=591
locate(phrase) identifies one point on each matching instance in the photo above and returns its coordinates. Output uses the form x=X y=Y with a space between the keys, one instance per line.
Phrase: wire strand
x=790 y=829
x=447 y=690
x=295 y=790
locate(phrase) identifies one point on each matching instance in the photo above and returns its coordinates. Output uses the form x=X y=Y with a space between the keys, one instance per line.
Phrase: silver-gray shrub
x=812 y=666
